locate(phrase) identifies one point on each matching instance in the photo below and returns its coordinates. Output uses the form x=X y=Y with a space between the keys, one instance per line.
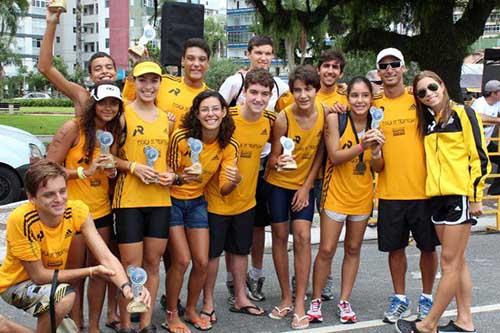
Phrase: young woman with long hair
x=75 y=145
x=354 y=149
x=457 y=164
x=208 y=121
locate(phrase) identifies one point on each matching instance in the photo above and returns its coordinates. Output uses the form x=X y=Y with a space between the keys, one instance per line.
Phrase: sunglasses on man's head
x=421 y=93
x=393 y=64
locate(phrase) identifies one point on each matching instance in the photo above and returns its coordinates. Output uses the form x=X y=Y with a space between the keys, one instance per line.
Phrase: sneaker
x=255 y=289
x=327 y=292
x=405 y=326
x=294 y=286
x=451 y=327
x=397 y=309
x=424 y=306
x=345 y=313
x=314 y=314
x=230 y=290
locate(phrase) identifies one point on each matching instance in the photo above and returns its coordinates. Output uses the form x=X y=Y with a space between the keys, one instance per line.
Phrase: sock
x=229 y=277
x=402 y=298
x=429 y=296
x=255 y=273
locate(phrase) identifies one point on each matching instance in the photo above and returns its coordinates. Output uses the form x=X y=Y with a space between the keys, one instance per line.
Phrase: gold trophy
x=196 y=147
x=288 y=147
x=57 y=5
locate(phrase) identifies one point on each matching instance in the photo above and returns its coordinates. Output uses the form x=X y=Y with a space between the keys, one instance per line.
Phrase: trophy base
x=290 y=166
x=194 y=169
x=137 y=50
x=58 y=5
x=137 y=307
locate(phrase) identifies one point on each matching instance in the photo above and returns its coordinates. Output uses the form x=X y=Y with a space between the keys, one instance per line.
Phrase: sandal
x=199 y=324
x=210 y=315
x=297 y=325
x=114 y=325
x=173 y=328
x=282 y=313
x=247 y=310
x=148 y=329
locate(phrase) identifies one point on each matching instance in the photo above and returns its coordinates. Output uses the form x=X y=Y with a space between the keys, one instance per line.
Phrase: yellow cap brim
x=146 y=68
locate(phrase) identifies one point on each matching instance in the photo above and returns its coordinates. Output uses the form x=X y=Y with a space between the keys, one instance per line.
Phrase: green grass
x=47 y=109
x=38 y=125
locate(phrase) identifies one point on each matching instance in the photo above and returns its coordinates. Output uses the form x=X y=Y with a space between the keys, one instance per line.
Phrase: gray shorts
x=33 y=298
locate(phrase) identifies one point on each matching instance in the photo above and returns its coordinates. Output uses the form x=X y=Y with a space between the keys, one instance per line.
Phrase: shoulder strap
x=52 y=305
x=342 y=123
x=234 y=101
x=277 y=89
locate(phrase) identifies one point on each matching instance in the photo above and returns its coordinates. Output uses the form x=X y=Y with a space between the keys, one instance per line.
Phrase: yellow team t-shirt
x=403 y=176
x=251 y=136
x=211 y=158
x=347 y=190
x=306 y=145
x=94 y=190
x=174 y=95
x=29 y=239
x=130 y=191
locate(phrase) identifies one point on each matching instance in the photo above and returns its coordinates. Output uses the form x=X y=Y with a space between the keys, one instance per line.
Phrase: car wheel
x=10 y=186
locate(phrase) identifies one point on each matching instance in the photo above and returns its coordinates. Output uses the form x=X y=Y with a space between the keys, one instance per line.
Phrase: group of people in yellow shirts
x=190 y=173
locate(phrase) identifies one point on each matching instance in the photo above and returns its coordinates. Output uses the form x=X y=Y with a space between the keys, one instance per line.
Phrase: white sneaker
x=314 y=314
x=345 y=313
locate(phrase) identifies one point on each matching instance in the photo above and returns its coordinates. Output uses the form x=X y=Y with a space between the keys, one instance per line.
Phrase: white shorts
x=341 y=218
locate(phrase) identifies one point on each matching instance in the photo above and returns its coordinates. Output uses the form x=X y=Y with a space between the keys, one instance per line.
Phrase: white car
x=35 y=95
x=18 y=149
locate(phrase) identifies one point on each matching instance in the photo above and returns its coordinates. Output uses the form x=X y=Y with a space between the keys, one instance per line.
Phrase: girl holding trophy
x=353 y=142
x=82 y=146
x=142 y=196
x=197 y=150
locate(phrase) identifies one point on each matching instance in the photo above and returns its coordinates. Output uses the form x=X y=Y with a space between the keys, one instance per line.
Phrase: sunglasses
x=377 y=82
x=423 y=92
x=393 y=64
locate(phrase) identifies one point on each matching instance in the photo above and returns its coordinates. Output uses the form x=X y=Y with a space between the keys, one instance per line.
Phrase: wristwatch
x=178 y=180
x=123 y=287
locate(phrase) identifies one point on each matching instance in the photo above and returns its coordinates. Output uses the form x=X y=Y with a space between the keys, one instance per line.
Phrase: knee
x=352 y=250
x=180 y=263
x=152 y=265
x=326 y=252
x=302 y=238
x=450 y=261
x=397 y=255
x=280 y=238
x=64 y=306
x=200 y=265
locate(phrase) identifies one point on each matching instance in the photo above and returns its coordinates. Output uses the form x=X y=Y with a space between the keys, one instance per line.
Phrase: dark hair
x=196 y=42
x=422 y=108
x=39 y=173
x=305 y=73
x=359 y=79
x=259 y=41
x=99 y=55
x=87 y=124
x=329 y=55
x=259 y=76
x=193 y=124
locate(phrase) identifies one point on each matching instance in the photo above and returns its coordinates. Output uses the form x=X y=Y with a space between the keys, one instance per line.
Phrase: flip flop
x=197 y=324
x=114 y=325
x=173 y=328
x=285 y=310
x=209 y=315
x=299 y=319
x=246 y=310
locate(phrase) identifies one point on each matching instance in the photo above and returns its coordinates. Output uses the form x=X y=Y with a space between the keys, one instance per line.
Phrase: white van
x=18 y=148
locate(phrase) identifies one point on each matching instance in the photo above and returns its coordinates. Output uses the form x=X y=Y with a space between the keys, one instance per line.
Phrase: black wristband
x=178 y=180
x=124 y=285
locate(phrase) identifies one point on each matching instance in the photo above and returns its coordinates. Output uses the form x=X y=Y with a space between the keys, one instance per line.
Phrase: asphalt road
x=369 y=298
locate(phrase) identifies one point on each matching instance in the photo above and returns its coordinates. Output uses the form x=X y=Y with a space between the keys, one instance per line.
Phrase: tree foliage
x=215 y=35
x=220 y=69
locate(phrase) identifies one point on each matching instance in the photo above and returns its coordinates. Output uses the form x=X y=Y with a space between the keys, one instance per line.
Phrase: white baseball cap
x=492 y=86
x=103 y=91
x=391 y=51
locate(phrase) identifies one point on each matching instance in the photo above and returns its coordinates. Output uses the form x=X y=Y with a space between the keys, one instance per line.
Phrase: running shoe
x=230 y=290
x=327 y=292
x=397 y=309
x=314 y=314
x=451 y=327
x=424 y=306
x=255 y=289
x=345 y=313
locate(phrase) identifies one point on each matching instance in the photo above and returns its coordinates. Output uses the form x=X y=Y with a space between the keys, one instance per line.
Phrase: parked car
x=19 y=148
x=35 y=95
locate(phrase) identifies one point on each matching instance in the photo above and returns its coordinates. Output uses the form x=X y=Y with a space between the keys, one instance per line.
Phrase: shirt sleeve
x=21 y=239
x=80 y=212
x=229 y=88
x=230 y=157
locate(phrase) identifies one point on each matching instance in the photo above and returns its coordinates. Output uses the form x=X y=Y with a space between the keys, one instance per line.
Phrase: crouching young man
x=39 y=235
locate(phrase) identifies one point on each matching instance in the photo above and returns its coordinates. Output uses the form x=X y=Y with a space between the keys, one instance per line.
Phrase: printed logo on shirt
x=215 y=158
x=174 y=91
x=138 y=129
x=68 y=233
x=297 y=139
x=264 y=132
x=347 y=145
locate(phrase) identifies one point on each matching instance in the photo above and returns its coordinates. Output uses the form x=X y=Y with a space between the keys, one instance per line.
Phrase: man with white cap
x=488 y=107
x=403 y=205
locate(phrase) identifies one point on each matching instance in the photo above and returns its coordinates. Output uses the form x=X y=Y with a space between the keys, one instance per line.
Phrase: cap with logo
x=492 y=86
x=146 y=67
x=391 y=51
x=103 y=91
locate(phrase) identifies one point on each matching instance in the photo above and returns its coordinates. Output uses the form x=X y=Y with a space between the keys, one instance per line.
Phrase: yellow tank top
x=306 y=145
x=212 y=157
x=130 y=191
x=252 y=136
x=93 y=191
x=347 y=190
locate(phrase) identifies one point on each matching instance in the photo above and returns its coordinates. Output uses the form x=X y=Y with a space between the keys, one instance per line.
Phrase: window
x=36 y=42
x=74 y=48
x=107 y=43
x=106 y=4
x=39 y=3
x=106 y=22
x=97 y=8
x=132 y=22
x=97 y=27
x=58 y=39
x=89 y=47
x=239 y=37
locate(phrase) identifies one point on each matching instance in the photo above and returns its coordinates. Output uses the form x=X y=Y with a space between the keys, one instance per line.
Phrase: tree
x=220 y=69
x=38 y=82
x=215 y=35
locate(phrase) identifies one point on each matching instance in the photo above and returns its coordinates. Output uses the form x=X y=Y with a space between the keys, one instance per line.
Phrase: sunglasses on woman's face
x=421 y=93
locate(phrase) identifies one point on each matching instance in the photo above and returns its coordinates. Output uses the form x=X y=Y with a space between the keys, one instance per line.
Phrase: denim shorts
x=280 y=204
x=190 y=213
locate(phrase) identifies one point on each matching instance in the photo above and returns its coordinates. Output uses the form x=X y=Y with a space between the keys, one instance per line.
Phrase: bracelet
x=361 y=148
x=80 y=172
x=132 y=167
x=91 y=269
x=177 y=180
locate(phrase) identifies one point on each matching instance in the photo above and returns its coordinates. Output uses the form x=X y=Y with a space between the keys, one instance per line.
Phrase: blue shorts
x=190 y=213
x=280 y=203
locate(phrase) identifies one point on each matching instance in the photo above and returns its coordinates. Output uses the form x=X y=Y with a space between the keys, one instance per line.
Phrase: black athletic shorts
x=397 y=218
x=105 y=221
x=262 y=215
x=232 y=234
x=133 y=224
x=451 y=210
